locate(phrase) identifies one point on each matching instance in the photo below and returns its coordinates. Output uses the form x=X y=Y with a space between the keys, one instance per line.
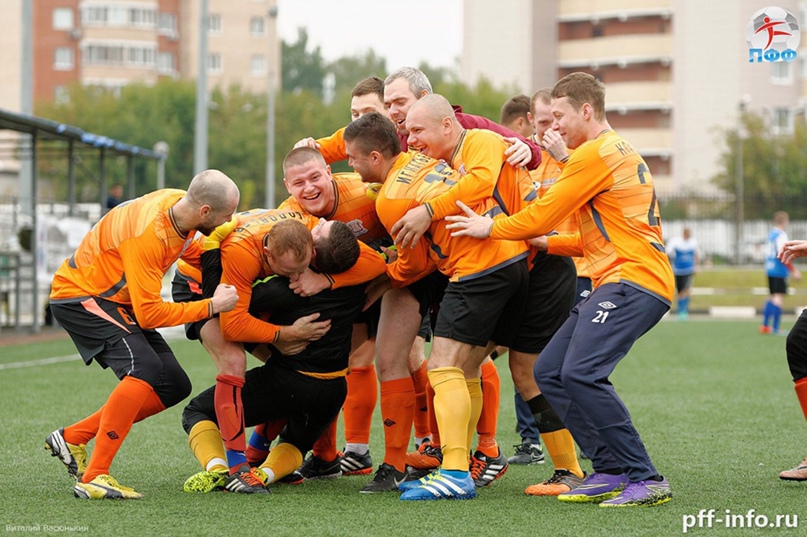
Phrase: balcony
x=619 y=50
x=586 y=10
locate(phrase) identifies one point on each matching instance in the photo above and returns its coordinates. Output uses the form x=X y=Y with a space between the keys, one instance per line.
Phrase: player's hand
x=518 y=154
x=213 y=241
x=796 y=274
x=540 y=243
x=307 y=142
x=410 y=228
x=376 y=289
x=224 y=298
x=310 y=283
x=290 y=348
x=553 y=143
x=391 y=253
x=791 y=250
x=305 y=329
x=470 y=225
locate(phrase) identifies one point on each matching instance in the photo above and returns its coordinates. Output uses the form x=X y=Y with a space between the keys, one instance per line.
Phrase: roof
x=53 y=130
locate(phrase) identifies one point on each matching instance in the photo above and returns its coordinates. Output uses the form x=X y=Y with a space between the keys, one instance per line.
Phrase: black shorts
x=683 y=282
x=777 y=285
x=370 y=318
x=272 y=392
x=108 y=333
x=186 y=289
x=429 y=292
x=487 y=308
x=551 y=296
x=797 y=348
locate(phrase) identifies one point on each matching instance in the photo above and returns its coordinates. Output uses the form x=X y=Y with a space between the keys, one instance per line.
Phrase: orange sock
x=117 y=418
x=230 y=417
x=801 y=393
x=325 y=446
x=362 y=395
x=152 y=405
x=85 y=430
x=432 y=418
x=488 y=421
x=420 y=379
x=397 y=413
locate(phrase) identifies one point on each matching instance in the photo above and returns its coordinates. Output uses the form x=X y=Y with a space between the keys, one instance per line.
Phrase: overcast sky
x=405 y=32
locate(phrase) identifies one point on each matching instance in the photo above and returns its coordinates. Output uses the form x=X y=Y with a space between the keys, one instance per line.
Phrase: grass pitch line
x=41 y=361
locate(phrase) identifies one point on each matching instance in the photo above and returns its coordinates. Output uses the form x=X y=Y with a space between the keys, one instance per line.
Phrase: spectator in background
x=778 y=272
x=115 y=196
x=685 y=257
x=516 y=116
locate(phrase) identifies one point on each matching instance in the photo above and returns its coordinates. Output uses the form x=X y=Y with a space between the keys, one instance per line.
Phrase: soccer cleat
x=415 y=482
x=641 y=494
x=354 y=464
x=294 y=478
x=444 y=486
x=595 y=488
x=485 y=470
x=205 y=481
x=427 y=456
x=799 y=473
x=104 y=487
x=765 y=329
x=315 y=468
x=247 y=481
x=74 y=456
x=527 y=454
x=386 y=479
x=561 y=481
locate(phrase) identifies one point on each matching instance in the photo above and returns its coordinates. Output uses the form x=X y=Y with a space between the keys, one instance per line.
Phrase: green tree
x=349 y=70
x=302 y=69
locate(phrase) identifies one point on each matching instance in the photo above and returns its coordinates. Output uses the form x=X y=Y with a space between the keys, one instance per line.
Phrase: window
x=62 y=18
x=257 y=65
x=117 y=16
x=168 y=24
x=103 y=55
x=63 y=59
x=165 y=62
x=781 y=120
x=214 y=63
x=781 y=73
x=257 y=26
x=94 y=15
x=214 y=24
x=142 y=17
x=140 y=57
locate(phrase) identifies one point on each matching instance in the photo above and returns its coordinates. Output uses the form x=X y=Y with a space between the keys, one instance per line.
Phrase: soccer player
x=797 y=354
x=517 y=116
x=107 y=297
x=609 y=185
x=778 y=273
x=683 y=251
x=306 y=389
x=487 y=283
x=434 y=131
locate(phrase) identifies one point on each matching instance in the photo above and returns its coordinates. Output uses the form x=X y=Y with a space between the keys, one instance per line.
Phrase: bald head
x=434 y=107
x=433 y=127
x=214 y=189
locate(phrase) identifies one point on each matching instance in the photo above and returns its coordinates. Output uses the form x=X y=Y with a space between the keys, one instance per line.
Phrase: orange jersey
x=354 y=205
x=243 y=262
x=414 y=179
x=124 y=258
x=479 y=157
x=333 y=147
x=610 y=187
x=544 y=176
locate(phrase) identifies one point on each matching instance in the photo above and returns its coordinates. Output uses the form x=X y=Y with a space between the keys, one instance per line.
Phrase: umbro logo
x=389 y=423
x=113 y=435
x=607 y=305
x=585 y=293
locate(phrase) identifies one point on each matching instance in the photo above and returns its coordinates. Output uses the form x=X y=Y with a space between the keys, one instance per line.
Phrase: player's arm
x=142 y=259
x=370 y=265
x=566 y=244
x=411 y=265
x=240 y=269
x=333 y=147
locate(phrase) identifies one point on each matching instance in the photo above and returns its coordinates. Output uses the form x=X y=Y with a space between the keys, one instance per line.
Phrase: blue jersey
x=774 y=267
x=684 y=254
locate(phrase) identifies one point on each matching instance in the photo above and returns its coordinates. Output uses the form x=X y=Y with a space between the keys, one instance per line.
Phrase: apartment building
x=112 y=43
x=676 y=71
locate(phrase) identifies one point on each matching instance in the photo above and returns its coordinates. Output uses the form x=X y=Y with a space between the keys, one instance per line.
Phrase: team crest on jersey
x=607 y=305
x=357 y=227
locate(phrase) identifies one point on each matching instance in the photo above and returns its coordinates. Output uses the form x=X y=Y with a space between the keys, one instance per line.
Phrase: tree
x=301 y=69
x=349 y=70
x=774 y=167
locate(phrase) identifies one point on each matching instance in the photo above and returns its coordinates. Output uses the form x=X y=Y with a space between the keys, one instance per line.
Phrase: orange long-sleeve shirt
x=354 y=205
x=124 y=258
x=413 y=179
x=609 y=185
x=243 y=262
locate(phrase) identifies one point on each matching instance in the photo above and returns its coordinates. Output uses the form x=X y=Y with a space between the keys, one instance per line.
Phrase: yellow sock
x=282 y=460
x=475 y=391
x=207 y=446
x=452 y=408
x=560 y=446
